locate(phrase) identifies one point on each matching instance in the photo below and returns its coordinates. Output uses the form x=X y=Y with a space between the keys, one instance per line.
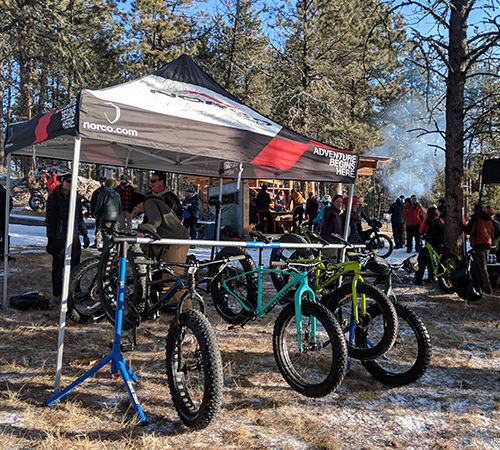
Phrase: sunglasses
x=154 y=181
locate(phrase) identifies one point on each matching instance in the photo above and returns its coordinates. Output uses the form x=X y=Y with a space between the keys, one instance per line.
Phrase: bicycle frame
x=298 y=278
x=435 y=263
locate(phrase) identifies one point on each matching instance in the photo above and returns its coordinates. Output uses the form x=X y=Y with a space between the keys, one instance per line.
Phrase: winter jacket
x=163 y=219
x=263 y=200
x=57 y=212
x=52 y=182
x=93 y=199
x=125 y=192
x=355 y=227
x=481 y=232
x=296 y=198
x=109 y=206
x=193 y=203
x=433 y=228
x=332 y=223
x=413 y=215
x=279 y=204
x=396 y=211
x=312 y=207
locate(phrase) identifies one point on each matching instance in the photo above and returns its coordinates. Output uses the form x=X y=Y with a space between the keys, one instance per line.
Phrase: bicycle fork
x=304 y=288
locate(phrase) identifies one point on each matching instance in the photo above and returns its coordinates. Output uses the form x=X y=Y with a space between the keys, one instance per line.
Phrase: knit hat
x=66 y=177
x=124 y=177
x=490 y=211
x=109 y=183
x=354 y=200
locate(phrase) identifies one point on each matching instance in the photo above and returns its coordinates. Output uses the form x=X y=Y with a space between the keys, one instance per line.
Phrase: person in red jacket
x=482 y=232
x=413 y=216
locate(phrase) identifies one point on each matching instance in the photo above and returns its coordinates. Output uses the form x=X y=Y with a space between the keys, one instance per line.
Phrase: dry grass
x=456 y=405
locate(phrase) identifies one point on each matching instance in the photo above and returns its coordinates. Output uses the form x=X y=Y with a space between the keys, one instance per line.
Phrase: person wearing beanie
x=355 y=227
x=56 y=222
x=413 y=216
x=332 y=223
x=108 y=209
x=125 y=190
x=163 y=219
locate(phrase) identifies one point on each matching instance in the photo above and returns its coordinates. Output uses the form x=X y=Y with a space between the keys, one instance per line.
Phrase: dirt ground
x=455 y=405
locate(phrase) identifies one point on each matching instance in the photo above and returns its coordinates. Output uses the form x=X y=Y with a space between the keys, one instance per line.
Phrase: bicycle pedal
x=234 y=327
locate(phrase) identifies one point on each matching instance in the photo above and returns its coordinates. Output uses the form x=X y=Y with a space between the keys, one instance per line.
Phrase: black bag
x=466 y=278
x=410 y=264
x=29 y=301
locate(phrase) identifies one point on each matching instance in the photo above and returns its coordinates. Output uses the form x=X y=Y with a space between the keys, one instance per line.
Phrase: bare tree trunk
x=455 y=126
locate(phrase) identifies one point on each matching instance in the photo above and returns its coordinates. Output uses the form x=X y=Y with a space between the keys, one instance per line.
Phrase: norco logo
x=117 y=113
x=198 y=97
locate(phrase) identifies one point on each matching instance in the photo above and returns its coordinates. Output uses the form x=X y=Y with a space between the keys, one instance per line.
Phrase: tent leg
x=118 y=364
x=6 y=233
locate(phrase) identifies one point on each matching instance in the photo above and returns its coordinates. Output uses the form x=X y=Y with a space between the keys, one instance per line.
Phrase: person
x=332 y=223
x=482 y=233
x=413 y=216
x=433 y=229
x=355 y=227
x=298 y=207
x=93 y=204
x=191 y=205
x=279 y=202
x=157 y=185
x=442 y=208
x=312 y=207
x=52 y=182
x=3 y=197
x=326 y=200
x=490 y=211
x=263 y=201
x=56 y=221
x=254 y=212
x=397 y=221
x=125 y=190
x=108 y=209
x=166 y=223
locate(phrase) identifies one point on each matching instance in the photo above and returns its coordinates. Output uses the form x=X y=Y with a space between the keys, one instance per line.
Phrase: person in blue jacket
x=191 y=206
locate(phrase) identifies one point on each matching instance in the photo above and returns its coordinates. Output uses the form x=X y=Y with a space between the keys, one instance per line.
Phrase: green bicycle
x=442 y=264
x=351 y=302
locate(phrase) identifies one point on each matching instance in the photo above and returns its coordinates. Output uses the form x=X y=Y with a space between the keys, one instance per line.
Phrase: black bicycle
x=376 y=241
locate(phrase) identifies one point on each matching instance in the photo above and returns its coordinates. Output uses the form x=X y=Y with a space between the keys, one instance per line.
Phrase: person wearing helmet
x=93 y=204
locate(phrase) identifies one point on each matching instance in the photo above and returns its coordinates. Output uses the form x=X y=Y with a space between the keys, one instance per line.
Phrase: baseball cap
x=124 y=177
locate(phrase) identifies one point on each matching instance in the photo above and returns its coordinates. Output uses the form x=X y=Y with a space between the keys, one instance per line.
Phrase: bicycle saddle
x=255 y=234
x=149 y=230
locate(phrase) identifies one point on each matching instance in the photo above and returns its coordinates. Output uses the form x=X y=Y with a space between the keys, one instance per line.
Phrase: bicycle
x=352 y=305
x=442 y=265
x=374 y=240
x=308 y=344
x=84 y=304
x=193 y=360
x=410 y=356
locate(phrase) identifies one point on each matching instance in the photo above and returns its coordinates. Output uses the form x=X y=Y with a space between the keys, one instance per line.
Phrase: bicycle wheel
x=228 y=307
x=320 y=367
x=194 y=369
x=107 y=279
x=285 y=254
x=84 y=304
x=37 y=202
x=448 y=261
x=382 y=327
x=409 y=357
x=382 y=243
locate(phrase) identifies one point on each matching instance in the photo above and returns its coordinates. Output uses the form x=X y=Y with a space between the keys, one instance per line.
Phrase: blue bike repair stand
x=115 y=357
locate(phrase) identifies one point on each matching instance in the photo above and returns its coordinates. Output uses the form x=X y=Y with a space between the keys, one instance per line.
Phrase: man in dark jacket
x=263 y=201
x=191 y=206
x=56 y=221
x=93 y=204
x=397 y=221
x=166 y=223
x=108 y=209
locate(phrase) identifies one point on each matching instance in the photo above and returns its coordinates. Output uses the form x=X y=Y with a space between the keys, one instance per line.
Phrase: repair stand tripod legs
x=118 y=364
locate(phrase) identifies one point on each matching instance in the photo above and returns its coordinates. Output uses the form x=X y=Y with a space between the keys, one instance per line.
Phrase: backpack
x=436 y=230
x=410 y=264
x=466 y=278
x=175 y=204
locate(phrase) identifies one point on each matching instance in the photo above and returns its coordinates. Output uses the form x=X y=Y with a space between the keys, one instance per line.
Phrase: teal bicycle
x=308 y=344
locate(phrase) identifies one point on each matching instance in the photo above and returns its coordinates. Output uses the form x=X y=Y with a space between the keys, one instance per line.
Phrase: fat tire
x=375 y=244
x=134 y=301
x=225 y=304
x=343 y=296
x=334 y=343
x=83 y=295
x=209 y=359
x=449 y=261
x=290 y=254
x=414 y=370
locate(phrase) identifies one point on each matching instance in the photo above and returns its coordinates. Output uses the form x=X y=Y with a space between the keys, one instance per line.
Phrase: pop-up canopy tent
x=177 y=119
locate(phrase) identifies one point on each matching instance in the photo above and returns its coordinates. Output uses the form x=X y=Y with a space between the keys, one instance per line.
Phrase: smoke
x=416 y=160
